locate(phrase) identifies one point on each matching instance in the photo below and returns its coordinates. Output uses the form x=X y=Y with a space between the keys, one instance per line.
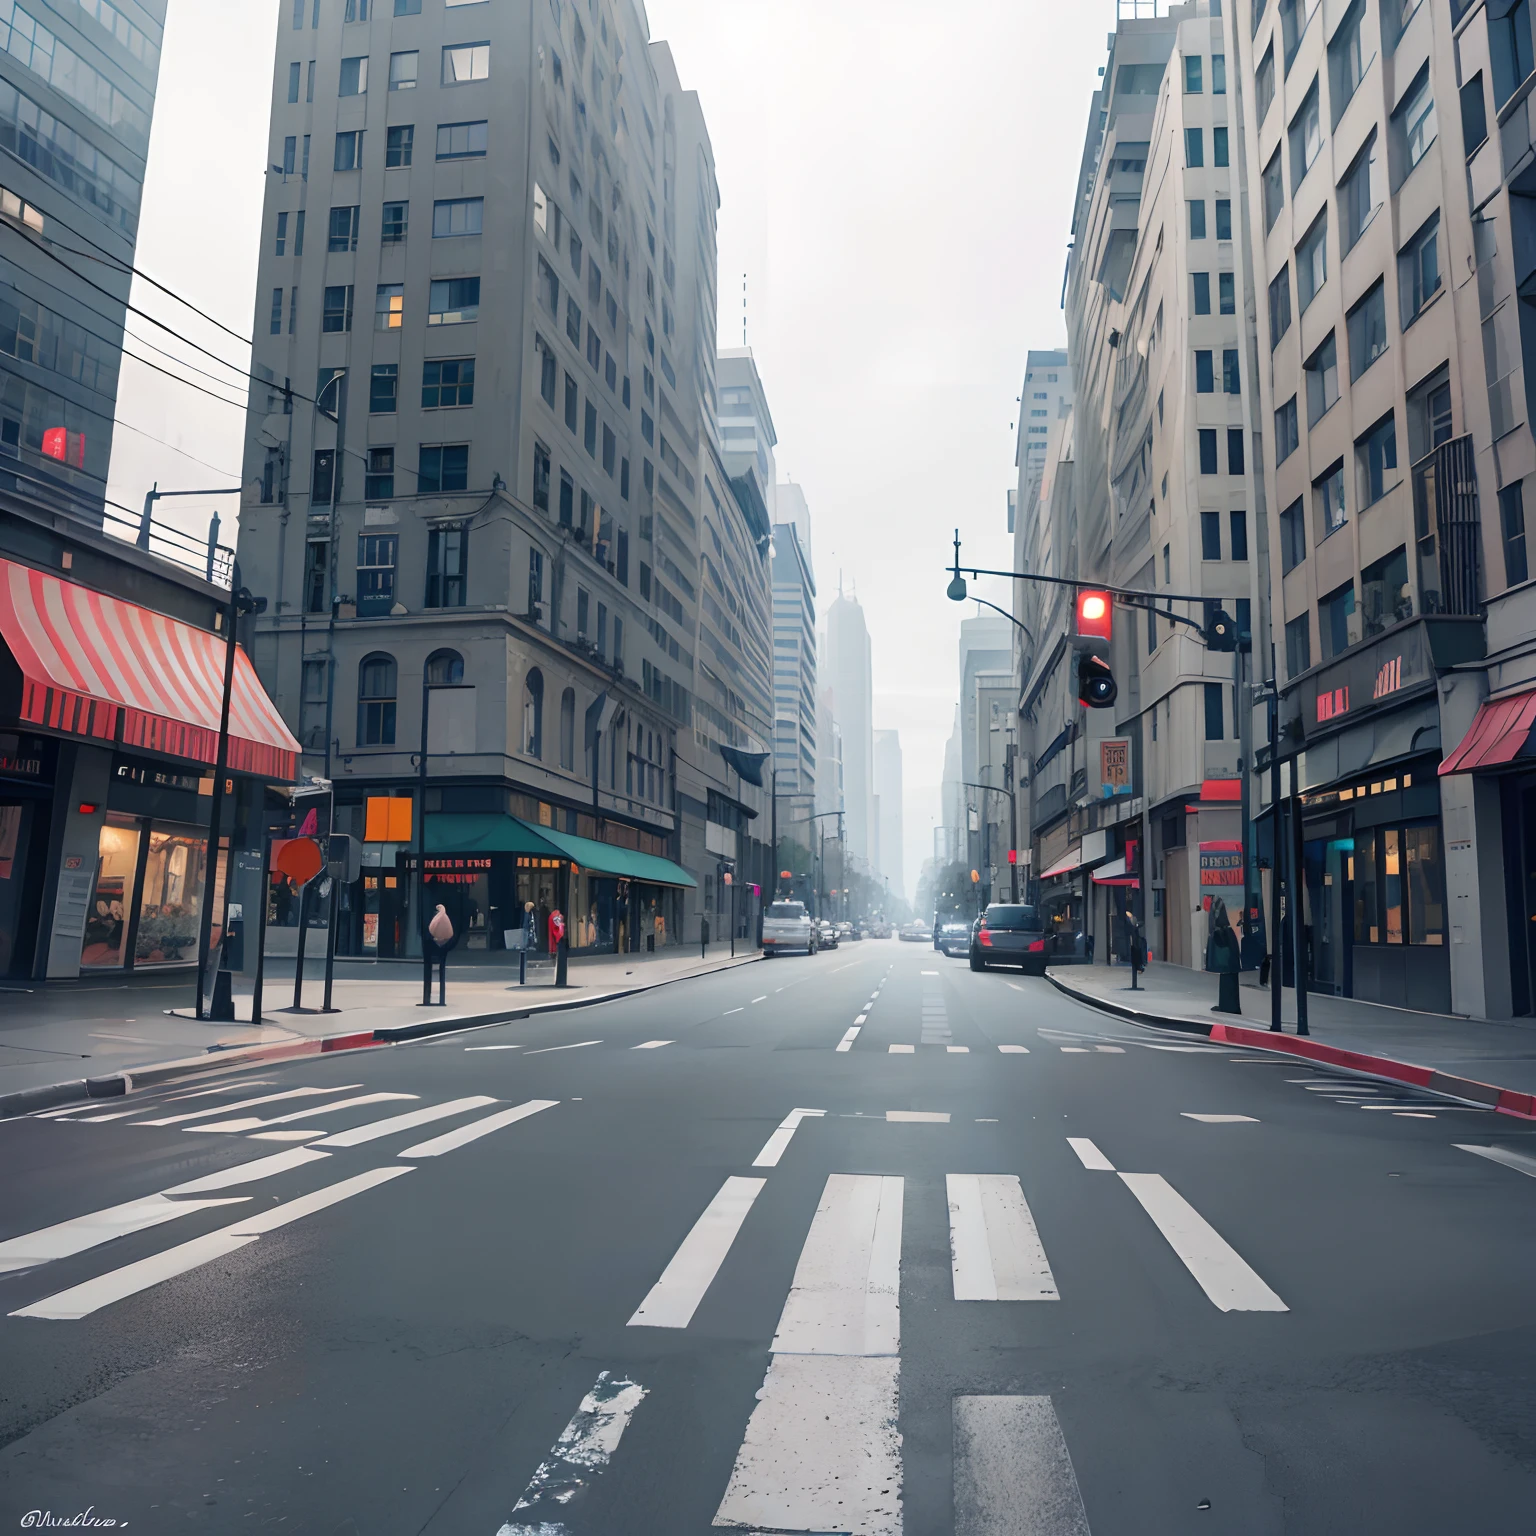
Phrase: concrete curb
x=1506 y=1101
x=27 y=1101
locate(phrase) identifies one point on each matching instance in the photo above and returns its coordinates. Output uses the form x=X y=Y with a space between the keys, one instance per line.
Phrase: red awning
x=1498 y=734
x=97 y=666
x=1221 y=789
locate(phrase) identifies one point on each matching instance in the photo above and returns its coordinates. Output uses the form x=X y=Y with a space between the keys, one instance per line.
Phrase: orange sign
x=297 y=857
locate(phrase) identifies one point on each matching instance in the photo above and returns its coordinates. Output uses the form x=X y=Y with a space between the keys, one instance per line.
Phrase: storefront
x=28 y=764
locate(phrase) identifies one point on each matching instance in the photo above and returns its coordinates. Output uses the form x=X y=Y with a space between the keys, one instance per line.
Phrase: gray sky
x=895 y=181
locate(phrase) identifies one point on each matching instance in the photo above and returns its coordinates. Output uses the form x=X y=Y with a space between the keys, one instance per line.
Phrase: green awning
x=494 y=833
x=627 y=863
x=488 y=833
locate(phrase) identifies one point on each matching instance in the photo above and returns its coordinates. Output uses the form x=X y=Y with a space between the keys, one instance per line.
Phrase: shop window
x=376 y=694
x=1399 y=885
x=106 y=924
x=171 y=897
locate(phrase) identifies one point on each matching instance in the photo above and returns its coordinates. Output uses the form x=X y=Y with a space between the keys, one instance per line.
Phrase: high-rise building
x=1046 y=398
x=889 y=801
x=77 y=95
x=493 y=484
x=847 y=654
x=794 y=650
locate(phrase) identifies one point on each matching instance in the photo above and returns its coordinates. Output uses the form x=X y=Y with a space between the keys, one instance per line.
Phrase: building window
x=383 y=389
x=1334 y=613
x=1312 y=261
x=549 y=287
x=1231 y=382
x=442 y=468
x=349 y=151
x=454 y=301
x=1210 y=535
x=547 y=370
x=1219 y=151
x=444 y=669
x=568 y=727
x=1202 y=282
x=377 y=557
x=1306 y=136
x=317 y=576
x=533 y=713
x=337 y=314
x=573 y=321
x=1197 y=220
x=388 y=307
x=1376 y=458
x=376 y=689
x=293 y=84
x=589 y=430
x=1194 y=147
x=447 y=382
x=1367 y=330
x=344 y=227
x=1223 y=218
x=1399 y=885
x=1279 y=306
x=1294 y=16
x=623 y=548
x=541 y=472
x=610 y=445
x=1474 y=115
x=570 y=403
x=535 y=583
x=1193 y=68
x=379 y=482
x=1235 y=465
x=447 y=566
x=457 y=216
x=567 y=499
x=1322 y=370
x=1239 y=521
x=1346 y=60
x=1208 y=465
x=298 y=233
x=1328 y=496
x=1293 y=535
x=290 y=152
x=594 y=349
x=398 y=143
x=1385 y=596
x=395 y=221
x=282 y=235
x=354 y=76
x=1418 y=269
x=1274 y=190
x=277 y=312
x=1205 y=374
x=1287 y=434
x=1264 y=83
x=407 y=7
x=1213 y=712
x=585 y=522
x=1218 y=74
x=1298 y=646
x=1512 y=525
x=403 y=69
x=464 y=62
x=1359 y=197
x=462 y=141
x=1414 y=121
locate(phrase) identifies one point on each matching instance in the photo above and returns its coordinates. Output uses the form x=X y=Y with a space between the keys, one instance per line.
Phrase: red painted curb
x=347 y=1042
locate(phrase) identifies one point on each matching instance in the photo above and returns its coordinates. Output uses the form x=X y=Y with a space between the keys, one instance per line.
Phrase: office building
x=794 y=651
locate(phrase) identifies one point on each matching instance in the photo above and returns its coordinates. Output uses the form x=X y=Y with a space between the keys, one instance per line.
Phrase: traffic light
x=1220 y=631
x=1094 y=627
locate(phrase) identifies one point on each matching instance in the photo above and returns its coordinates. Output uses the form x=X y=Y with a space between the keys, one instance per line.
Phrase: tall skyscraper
x=888 y=798
x=848 y=671
x=1046 y=397
x=794 y=649
x=77 y=95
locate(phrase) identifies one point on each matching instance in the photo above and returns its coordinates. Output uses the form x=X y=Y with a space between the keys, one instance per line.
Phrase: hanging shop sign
x=1115 y=766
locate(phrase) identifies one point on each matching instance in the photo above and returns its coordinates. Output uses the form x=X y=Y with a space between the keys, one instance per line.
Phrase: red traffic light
x=1095 y=614
x=1013 y=855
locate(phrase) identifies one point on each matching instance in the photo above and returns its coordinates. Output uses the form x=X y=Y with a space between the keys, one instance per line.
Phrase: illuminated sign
x=1389 y=679
x=1334 y=702
x=1221 y=863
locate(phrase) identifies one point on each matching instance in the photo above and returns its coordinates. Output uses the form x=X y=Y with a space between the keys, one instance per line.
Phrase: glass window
x=442 y=468
x=1347 y=59
x=1205 y=375
x=1210 y=535
x=1306 y=136
x=1367 y=891
x=1415 y=121
x=1294 y=16
x=354 y=76
x=1392 y=883
x=1197 y=220
x=383 y=388
x=349 y=151
x=1231 y=382
x=445 y=667
x=1298 y=646
x=462 y=141
x=1239 y=533
x=1377 y=456
x=1202 y=282
x=1208 y=464
x=1213 y=712
x=1328 y=492
x=456 y=300
x=464 y=62
x=457 y=216
x=1293 y=535
x=447 y=566
x=447 y=382
x=337 y=314
x=1474 y=114
x=1312 y=261
x=343 y=229
x=1385 y=596
x=396 y=219
x=398 y=143
x=1322 y=372
x=1264 y=83
x=1226 y=283
x=1359 y=196
x=112 y=896
x=1512 y=525
x=1367 y=330
x=1274 y=190
x=403 y=70
x=1219 y=150
x=1333 y=615
x=1223 y=218
x=376 y=689
x=1287 y=433
x=379 y=482
x=1194 y=68
x=1235 y=455
x=376 y=560
x=541 y=470
x=1219 y=76
x=1418 y=269
x=1426 y=884
x=1194 y=146
x=1279 y=306
x=171 y=896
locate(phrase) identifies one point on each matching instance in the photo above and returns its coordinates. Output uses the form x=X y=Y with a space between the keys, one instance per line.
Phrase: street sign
x=344 y=857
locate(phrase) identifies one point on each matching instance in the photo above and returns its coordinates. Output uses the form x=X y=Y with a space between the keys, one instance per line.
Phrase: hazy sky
x=895 y=181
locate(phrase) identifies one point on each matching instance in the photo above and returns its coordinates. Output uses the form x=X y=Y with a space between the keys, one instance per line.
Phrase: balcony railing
x=1446 y=529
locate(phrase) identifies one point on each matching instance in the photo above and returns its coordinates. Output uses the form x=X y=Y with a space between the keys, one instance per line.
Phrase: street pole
x=1298 y=882
x=774 y=779
x=1013 y=820
x=421 y=848
x=261 y=921
x=1276 y=962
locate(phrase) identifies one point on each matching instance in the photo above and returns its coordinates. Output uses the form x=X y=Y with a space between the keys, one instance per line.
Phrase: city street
x=860 y=1242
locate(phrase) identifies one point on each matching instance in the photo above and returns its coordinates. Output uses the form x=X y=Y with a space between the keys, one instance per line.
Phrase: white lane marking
x=1516 y=1160
x=846 y=1043
x=1408 y=1114
x=247 y=1173
x=1220 y=1270
x=575 y=1045
x=845 y=1298
x=1016 y=987
x=1089 y=1155
x=284 y=1135
x=583 y=1451
x=675 y=1297
x=729 y=1011
x=516 y=1047
x=861 y=1018
x=1078 y=1050
x=1341 y=1086
x=58 y=1114
x=762 y=999
x=118 y=1284
x=773 y=1148
x=253 y=1123
x=920 y=1116
x=266 y=1098
x=995 y=1248
x=930 y=973
x=900 y=1050
x=464 y=1134
x=1014 y=1050
x=406 y=1122
x=1219 y=1119
x=1440 y=1109
x=1012 y=1473
x=652 y=1045
x=1147 y=1045
x=66 y=1238
x=120 y=1114
x=821 y=1450
x=1112 y=1050
x=958 y=1050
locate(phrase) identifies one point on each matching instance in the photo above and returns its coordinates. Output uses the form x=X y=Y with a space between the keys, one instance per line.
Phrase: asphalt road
x=605 y=1282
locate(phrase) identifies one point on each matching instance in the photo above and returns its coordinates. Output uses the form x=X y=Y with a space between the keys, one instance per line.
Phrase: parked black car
x=1009 y=933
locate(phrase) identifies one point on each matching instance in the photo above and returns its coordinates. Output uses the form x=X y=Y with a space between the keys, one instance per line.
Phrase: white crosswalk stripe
x=1012 y=1473
x=675 y=1297
x=406 y=1122
x=995 y=1249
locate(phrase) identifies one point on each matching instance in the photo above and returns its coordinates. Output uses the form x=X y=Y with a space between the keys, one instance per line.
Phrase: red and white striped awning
x=94 y=665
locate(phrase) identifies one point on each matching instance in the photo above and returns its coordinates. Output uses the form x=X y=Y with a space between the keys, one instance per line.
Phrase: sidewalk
x=67 y=1033
x=1486 y=1060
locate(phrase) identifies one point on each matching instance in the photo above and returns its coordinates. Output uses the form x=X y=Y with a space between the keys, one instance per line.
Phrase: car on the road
x=856 y=930
x=953 y=937
x=1009 y=933
x=915 y=933
x=826 y=935
x=788 y=929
